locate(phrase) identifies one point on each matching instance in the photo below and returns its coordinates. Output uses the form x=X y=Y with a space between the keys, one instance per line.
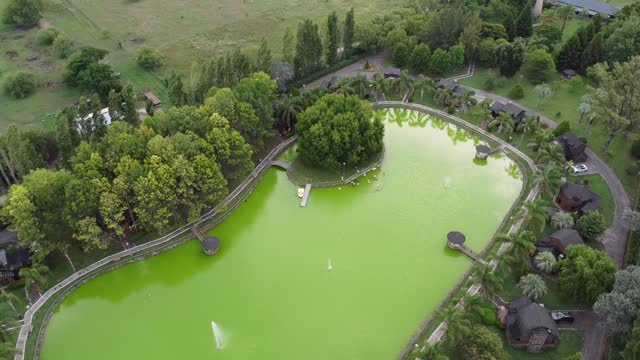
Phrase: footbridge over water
x=281 y=164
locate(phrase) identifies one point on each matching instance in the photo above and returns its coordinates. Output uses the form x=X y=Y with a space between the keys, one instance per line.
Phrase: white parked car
x=580 y=169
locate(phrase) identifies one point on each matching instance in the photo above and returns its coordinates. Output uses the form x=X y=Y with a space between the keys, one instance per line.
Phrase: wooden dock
x=197 y=233
x=465 y=250
x=305 y=197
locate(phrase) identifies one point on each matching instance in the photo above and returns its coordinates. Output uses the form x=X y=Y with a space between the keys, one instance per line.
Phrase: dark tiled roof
x=513 y=109
x=391 y=71
x=569 y=138
x=526 y=317
x=572 y=145
x=483 y=149
x=567 y=237
x=210 y=243
x=496 y=107
x=455 y=237
x=569 y=72
x=592 y=5
x=579 y=192
x=14 y=260
x=447 y=84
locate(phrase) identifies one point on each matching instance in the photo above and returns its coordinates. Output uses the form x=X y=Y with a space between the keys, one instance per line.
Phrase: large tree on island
x=616 y=100
x=339 y=129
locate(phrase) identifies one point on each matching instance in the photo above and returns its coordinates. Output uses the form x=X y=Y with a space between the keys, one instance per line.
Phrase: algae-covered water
x=351 y=276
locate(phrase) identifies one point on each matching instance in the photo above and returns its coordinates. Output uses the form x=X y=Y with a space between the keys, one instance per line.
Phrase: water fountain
x=217 y=335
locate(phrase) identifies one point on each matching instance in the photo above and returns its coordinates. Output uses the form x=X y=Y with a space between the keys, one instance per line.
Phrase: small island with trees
x=337 y=133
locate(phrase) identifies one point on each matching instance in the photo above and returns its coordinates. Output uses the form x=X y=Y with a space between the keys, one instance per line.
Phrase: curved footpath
x=108 y=262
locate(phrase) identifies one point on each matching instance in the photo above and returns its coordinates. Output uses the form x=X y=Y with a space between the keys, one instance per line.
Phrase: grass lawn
x=621 y=3
x=563 y=107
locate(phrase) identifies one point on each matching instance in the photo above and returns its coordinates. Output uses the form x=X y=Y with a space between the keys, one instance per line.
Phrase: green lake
x=351 y=276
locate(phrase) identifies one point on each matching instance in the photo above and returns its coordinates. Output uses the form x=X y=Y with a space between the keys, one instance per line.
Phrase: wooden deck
x=305 y=197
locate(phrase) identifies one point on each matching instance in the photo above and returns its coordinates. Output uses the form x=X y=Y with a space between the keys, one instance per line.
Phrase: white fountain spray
x=329 y=266
x=217 y=335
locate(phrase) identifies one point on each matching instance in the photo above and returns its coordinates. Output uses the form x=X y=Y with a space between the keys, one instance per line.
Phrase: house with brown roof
x=529 y=325
x=11 y=262
x=558 y=242
x=516 y=112
x=153 y=98
x=574 y=147
x=577 y=198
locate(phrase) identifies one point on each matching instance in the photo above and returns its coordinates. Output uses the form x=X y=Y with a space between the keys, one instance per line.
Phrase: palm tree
x=522 y=244
x=534 y=213
x=491 y=283
x=584 y=108
x=555 y=86
x=423 y=84
x=9 y=298
x=345 y=88
x=403 y=83
x=468 y=99
x=443 y=96
x=537 y=42
x=360 y=84
x=540 y=137
x=543 y=91
x=550 y=179
x=6 y=322
x=474 y=306
x=562 y=220
x=36 y=274
x=550 y=153
x=381 y=85
x=545 y=261
x=565 y=13
x=429 y=352
x=527 y=125
x=457 y=324
x=504 y=122
x=310 y=96
x=287 y=109
x=533 y=286
x=481 y=113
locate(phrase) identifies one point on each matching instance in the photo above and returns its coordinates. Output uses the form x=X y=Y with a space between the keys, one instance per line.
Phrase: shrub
x=63 y=46
x=22 y=12
x=46 y=36
x=490 y=84
x=635 y=149
x=591 y=225
x=20 y=84
x=575 y=84
x=562 y=128
x=517 y=92
x=488 y=317
x=148 y=58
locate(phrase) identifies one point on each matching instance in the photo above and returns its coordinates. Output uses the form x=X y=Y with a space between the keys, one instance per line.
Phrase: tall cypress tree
x=129 y=100
x=569 y=56
x=331 y=55
x=349 y=31
x=263 y=62
x=524 y=22
x=308 y=49
x=593 y=54
x=287 y=46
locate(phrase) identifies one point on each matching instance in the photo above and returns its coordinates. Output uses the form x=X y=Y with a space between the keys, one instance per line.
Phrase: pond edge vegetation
x=37 y=317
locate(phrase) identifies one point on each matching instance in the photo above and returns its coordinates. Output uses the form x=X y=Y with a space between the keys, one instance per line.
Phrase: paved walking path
x=615 y=238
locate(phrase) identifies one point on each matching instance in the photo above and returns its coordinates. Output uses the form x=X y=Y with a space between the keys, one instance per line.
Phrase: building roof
x=572 y=145
x=569 y=72
x=582 y=194
x=154 y=99
x=455 y=237
x=447 y=84
x=511 y=108
x=14 y=260
x=482 y=148
x=567 y=237
x=210 y=243
x=592 y=5
x=526 y=317
x=391 y=71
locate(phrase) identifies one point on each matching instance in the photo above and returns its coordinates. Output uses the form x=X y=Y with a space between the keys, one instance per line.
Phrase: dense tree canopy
x=620 y=306
x=339 y=129
x=22 y=12
x=585 y=273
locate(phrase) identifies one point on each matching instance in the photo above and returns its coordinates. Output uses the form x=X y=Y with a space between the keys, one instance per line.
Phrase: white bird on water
x=329 y=266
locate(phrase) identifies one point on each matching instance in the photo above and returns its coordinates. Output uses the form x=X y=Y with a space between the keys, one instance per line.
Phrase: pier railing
x=46 y=304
